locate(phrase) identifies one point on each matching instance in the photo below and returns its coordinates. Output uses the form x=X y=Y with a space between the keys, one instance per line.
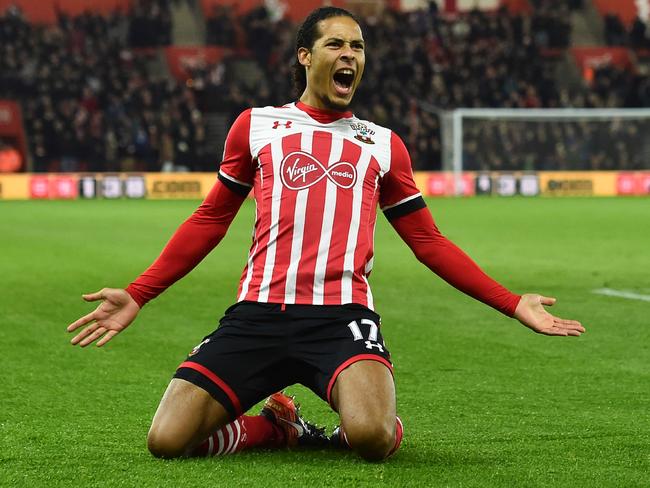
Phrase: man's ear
x=304 y=56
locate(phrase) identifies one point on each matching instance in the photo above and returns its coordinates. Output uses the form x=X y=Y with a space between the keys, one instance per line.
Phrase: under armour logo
x=196 y=349
x=287 y=124
x=300 y=170
x=370 y=345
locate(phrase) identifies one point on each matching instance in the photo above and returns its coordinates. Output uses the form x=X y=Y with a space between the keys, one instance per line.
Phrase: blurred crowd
x=636 y=35
x=88 y=99
x=557 y=144
x=90 y=102
x=150 y=23
x=561 y=144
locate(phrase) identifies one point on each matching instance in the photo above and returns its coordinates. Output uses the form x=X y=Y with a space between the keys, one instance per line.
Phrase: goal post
x=537 y=140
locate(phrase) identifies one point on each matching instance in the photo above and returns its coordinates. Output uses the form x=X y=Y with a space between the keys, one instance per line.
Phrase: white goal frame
x=451 y=124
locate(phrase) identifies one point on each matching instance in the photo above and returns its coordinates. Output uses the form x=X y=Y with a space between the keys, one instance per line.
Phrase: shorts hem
x=214 y=381
x=350 y=362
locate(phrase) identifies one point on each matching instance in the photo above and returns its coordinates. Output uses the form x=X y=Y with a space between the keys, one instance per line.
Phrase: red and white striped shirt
x=317 y=178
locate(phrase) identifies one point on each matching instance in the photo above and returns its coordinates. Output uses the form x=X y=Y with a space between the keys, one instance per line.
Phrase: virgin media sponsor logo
x=300 y=170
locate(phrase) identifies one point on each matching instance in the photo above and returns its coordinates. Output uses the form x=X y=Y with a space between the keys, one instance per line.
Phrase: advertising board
x=633 y=183
x=37 y=186
x=14 y=186
x=179 y=185
x=112 y=186
x=436 y=184
x=578 y=183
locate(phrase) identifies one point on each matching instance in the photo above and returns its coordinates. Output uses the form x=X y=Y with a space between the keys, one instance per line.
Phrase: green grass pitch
x=485 y=402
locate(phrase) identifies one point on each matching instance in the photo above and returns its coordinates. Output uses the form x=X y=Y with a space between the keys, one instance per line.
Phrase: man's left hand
x=532 y=314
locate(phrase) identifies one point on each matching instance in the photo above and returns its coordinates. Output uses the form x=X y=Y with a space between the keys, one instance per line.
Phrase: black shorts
x=261 y=348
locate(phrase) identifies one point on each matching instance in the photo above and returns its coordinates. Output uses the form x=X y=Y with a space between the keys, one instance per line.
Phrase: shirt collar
x=321 y=115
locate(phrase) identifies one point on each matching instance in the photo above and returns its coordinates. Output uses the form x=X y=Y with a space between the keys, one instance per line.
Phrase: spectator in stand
x=150 y=24
x=639 y=34
x=221 y=26
x=636 y=36
x=615 y=33
x=550 y=24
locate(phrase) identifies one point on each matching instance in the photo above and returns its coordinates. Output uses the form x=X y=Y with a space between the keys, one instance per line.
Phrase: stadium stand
x=104 y=87
x=88 y=100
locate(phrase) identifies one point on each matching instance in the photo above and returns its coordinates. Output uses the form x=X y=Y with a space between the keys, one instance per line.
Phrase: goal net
x=533 y=140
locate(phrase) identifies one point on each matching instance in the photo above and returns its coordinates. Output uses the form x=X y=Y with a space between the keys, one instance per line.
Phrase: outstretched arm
x=447 y=260
x=193 y=240
x=406 y=210
x=209 y=223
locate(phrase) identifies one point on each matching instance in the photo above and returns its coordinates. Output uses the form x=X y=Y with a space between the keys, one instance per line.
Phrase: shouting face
x=334 y=65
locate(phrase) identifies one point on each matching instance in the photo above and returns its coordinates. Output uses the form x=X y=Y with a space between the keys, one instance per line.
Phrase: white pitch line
x=622 y=294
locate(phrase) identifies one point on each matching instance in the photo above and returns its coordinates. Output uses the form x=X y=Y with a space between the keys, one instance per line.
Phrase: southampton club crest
x=364 y=134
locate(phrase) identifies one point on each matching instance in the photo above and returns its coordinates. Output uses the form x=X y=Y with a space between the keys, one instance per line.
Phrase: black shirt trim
x=405 y=208
x=242 y=190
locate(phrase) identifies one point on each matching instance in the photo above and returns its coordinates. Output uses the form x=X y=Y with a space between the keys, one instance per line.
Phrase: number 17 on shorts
x=370 y=339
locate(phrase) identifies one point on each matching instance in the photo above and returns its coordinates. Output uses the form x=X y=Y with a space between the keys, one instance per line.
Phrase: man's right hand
x=111 y=317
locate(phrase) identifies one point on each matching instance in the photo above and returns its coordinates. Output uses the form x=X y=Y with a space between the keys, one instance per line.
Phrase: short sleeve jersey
x=317 y=177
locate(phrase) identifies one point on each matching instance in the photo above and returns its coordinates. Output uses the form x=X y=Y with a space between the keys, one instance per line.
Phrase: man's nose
x=347 y=52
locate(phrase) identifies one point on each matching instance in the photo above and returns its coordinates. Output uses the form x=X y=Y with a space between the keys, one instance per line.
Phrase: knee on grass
x=163 y=445
x=372 y=440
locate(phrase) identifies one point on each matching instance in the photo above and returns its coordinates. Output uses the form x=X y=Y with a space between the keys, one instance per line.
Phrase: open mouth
x=343 y=80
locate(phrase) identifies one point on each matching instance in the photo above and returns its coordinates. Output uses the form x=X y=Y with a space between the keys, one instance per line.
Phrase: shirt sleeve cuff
x=137 y=297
